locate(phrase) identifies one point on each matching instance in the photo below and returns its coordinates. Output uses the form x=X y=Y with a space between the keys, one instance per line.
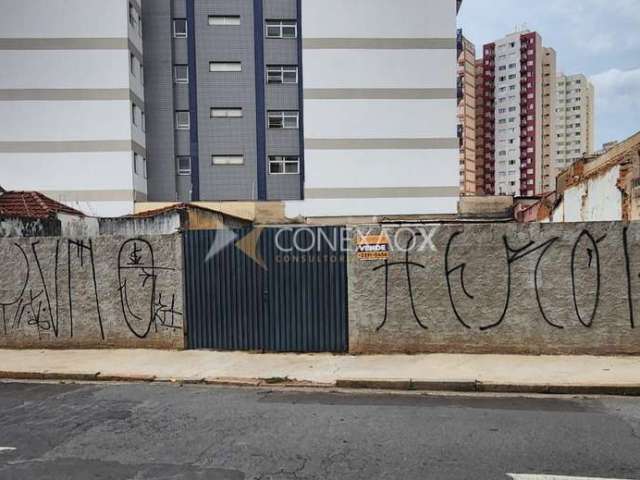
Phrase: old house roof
x=32 y=205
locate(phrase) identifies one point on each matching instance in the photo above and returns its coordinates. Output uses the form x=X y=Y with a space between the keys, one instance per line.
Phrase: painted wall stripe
x=55 y=94
x=193 y=101
x=381 y=143
x=380 y=43
x=261 y=134
x=71 y=146
x=95 y=195
x=64 y=43
x=383 y=192
x=380 y=93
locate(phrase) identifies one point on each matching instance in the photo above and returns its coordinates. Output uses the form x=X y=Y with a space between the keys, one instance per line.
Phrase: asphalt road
x=141 y=432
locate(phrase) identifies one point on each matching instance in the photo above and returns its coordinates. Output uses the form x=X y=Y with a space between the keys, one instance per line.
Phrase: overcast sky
x=600 y=38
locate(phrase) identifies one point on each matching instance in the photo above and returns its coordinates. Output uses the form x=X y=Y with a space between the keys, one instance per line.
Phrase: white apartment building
x=71 y=102
x=380 y=134
x=575 y=119
x=516 y=121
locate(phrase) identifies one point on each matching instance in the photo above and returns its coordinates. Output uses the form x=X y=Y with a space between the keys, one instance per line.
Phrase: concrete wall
x=379 y=108
x=66 y=94
x=510 y=288
x=102 y=292
x=598 y=199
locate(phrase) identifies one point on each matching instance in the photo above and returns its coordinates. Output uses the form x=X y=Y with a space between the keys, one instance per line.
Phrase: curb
x=470 y=386
x=475 y=386
x=77 y=377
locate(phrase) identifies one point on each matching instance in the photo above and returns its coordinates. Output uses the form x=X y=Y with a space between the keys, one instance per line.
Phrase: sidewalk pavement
x=435 y=372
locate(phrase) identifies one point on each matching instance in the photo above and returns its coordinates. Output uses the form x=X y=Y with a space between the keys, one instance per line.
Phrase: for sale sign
x=373 y=247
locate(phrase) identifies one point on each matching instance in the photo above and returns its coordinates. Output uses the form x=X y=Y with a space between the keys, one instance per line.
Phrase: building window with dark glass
x=282 y=74
x=283 y=119
x=181 y=74
x=282 y=29
x=180 y=28
x=284 y=165
x=183 y=165
x=183 y=120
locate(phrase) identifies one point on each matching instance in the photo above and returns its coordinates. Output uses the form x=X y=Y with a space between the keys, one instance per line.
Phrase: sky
x=599 y=38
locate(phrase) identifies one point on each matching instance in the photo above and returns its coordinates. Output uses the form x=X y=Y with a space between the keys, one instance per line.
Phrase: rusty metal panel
x=271 y=289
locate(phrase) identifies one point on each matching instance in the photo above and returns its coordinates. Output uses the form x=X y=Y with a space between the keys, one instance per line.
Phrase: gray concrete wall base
x=499 y=288
x=106 y=291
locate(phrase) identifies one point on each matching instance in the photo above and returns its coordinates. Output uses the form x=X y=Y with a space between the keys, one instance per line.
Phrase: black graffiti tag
x=512 y=254
x=586 y=243
x=137 y=280
x=15 y=291
x=407 y=264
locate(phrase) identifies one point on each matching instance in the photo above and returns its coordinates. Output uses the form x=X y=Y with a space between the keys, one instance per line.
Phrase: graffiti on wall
x=50 y=287
x=579 y=262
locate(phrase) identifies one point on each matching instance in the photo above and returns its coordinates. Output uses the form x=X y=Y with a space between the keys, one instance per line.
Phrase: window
x=283 y=119
x=281 y=74
x=136 y=115
x=227 y=159
x=183 y=120
x=180 y=28
x=183 y=165
x=181 y=74
x=144 y=167
x=132 y=63
x=282 y=29
x=135 y=163
x=225 y=66
x=133 y=15
x=226 y=113
x=284 y=165
x=220 y=20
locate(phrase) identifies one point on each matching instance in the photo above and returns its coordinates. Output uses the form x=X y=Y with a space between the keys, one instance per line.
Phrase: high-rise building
x=339 y=108
x=484 y=174
x=467 y=114
x=72 y=108
x=224 y=94
x=513 y=114
x=549 y=98
x=347 y=107
x=575 y=119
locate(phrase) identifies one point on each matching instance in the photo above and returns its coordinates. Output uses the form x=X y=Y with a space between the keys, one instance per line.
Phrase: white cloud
x=617 y=89
x=617 y=103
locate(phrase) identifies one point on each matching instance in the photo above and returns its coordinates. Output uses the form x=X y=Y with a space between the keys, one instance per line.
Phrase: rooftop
x=31 y=205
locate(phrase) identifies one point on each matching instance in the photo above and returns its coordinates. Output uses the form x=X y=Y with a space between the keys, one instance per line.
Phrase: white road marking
x=7 y=449
x=516 y=476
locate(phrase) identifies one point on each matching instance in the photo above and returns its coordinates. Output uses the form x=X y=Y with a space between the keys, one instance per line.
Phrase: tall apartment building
x=71 y=102
x=337 y=107
x=467 y=114
x=484 y=176
x=224 y=94
x=575 y=119
x=549 y=99
x=350 y=106
x=517 y=113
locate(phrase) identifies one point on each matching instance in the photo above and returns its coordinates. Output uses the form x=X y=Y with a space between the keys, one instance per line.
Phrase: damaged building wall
x=598 y=199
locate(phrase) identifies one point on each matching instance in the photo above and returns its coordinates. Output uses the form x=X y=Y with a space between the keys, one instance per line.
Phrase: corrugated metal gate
x=272 y=289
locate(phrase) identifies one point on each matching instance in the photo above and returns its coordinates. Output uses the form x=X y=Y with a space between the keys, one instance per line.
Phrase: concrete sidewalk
x=437 y=372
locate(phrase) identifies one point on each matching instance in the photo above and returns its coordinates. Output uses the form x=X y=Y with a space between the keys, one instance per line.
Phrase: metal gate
x=271 y=289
